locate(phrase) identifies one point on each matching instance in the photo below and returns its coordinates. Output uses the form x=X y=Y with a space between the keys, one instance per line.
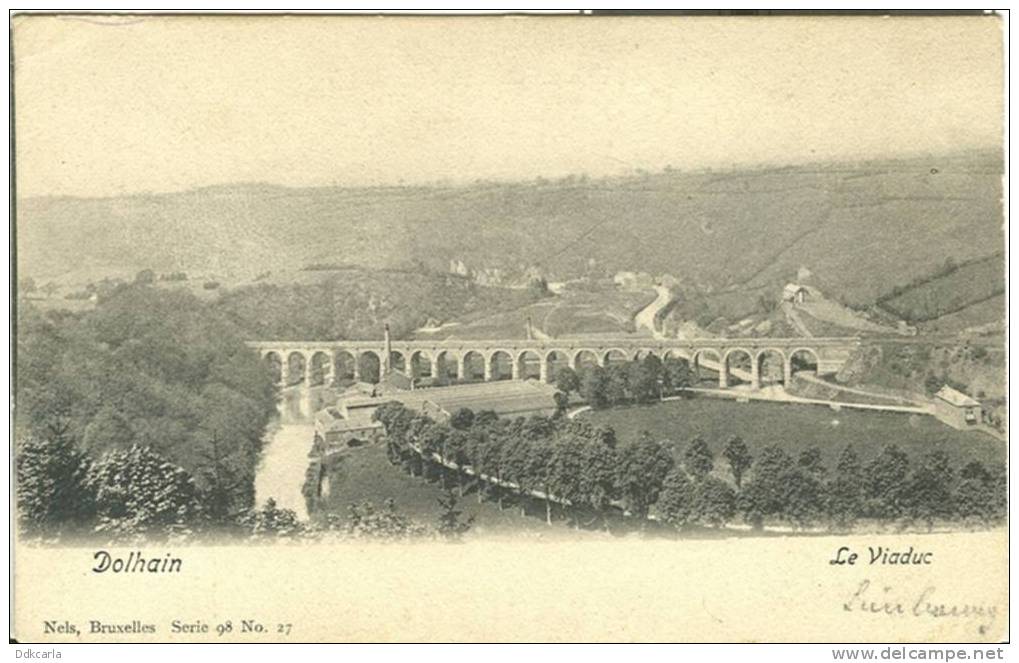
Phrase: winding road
x=646 y=317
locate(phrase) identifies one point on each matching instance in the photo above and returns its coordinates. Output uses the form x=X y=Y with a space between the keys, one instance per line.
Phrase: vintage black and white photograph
x=605 y=328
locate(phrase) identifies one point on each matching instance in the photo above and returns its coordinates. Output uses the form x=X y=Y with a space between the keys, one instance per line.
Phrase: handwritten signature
x=924 y=604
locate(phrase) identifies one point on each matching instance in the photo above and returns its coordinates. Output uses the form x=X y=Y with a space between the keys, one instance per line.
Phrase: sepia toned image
x=509 y=329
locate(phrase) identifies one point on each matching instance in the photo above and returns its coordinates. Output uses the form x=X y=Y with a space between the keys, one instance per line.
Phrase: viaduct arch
x=325 y=362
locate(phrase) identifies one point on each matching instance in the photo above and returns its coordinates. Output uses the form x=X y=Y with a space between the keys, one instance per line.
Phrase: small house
x=794 y=292
x=956 y=408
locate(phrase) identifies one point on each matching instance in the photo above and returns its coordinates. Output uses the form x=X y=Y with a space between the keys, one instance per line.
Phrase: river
x=280 y=473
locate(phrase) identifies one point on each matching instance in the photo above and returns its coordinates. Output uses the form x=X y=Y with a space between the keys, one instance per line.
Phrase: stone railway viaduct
x=322 y=362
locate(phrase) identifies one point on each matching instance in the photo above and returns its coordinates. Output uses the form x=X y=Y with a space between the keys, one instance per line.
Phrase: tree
x=227 y=480
x=485 y=451
x=802 y=497
x=484 y=418
x=676 y=503
x=451 y=526
x=998 y=486
x=567 y=380
x=457 y=443
x=974 y=497
x=598 y=472
x=643 y=466
x=462 y=419
x=676 y=374
x=811 y=462
x=641 y=382
x=562 y=403
x=109 y=429
x=928 y=495
x=714 y=502
x=538 y=475
x=396 y=420
x=885 y=483
x=566 y=467
x=739 y=458
x=52 y=494
x=270 y=521
x=845 y=491
x=698 y=459
x=764 y=495
x=515 y=464
x=139 y=492
x=431 y=440
x=655 y=369
x=616 y=383
x=594 y=387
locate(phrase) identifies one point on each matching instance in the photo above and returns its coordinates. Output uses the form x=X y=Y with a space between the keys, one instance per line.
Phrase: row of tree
x=579 y=469
x=635 y=381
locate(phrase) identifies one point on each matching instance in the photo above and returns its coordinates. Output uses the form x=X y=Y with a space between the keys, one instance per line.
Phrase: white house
x=793 y=292
x=956 y=408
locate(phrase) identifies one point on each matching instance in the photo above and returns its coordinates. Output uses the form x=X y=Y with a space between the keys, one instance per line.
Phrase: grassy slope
x=859 y=227
x=988 y=314
x=906 y=367
x=970 y=284
x=796 y=427
x=572 y=312
x=355 y=303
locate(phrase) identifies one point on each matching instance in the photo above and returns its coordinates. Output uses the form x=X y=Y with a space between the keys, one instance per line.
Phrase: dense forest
x=145 y=415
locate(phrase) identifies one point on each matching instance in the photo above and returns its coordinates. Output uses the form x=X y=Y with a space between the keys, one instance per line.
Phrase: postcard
x=337 y=328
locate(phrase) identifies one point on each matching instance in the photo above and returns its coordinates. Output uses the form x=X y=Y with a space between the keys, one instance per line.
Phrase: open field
x=797 y=427
x=365 y=474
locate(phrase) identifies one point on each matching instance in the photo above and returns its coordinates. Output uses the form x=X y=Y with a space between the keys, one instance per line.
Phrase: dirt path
x=861 y=392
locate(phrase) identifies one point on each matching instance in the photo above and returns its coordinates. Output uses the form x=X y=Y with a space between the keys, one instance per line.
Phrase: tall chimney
x=387 y=353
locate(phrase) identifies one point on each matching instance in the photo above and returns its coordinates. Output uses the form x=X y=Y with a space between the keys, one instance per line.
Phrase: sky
x=122 y=105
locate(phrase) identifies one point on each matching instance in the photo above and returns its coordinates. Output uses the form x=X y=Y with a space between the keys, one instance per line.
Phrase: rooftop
x=955 y=397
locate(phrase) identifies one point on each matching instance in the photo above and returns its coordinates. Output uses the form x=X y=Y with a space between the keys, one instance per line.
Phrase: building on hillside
x=794 y=292
x=956 y=408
